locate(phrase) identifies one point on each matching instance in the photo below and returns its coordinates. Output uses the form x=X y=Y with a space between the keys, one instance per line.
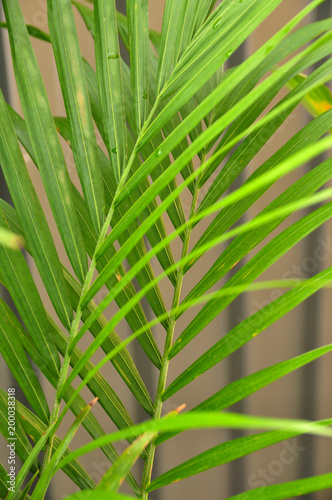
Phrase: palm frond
x=178 y=128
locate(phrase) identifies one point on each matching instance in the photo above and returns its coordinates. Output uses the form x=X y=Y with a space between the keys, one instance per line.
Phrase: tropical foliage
x=172 y=122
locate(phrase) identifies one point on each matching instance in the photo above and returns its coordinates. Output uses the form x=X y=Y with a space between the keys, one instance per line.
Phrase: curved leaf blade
x=115 y=476
x=98 y=495
x=247 y=330
x=18 y=363
x=35 y=428
x=222 y=454
x=43 y=136
x=108 y=65
x=16 y=277
x=72 y=80
x=138 y=27
x=22 y=444
x=288 y=490
x=27 y=464
x=48 y=472
x=204 y=420
x=36 y=231
x=10 y=240
x=90 y=423
x=243 y=243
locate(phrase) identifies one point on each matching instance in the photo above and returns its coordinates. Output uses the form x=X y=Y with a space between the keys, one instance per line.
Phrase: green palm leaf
x=110 y=83
x=288 y=490
x=35 y=428
x=204 y=420
x=177 y=131
x=170 y=43
x=99 y=495
x=113 y=478
x=90 y=423
x=239 y=389
x=247 y=330
x=16 y=277
x=138 y=24
x=41 y=487
x=22 y=446
x=18 y=363
x=221 y=454
x=47 y=149
x=72 y=79
x=33 y=221
x=10 y=240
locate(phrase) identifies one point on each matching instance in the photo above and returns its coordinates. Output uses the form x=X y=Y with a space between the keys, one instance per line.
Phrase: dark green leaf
x=16 y=277
x=72 y=80
x=43 y=136
x=171 y=39
x=138 y=27
x=36 y=231
x=211 y=50
x=18 y=363
x=110 y=83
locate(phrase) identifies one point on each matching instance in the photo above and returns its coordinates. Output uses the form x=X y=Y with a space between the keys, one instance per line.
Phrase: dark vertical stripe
x=236 y=312
x=121 y=7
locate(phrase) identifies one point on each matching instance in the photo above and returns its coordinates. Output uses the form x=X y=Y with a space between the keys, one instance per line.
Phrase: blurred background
x=303 y=394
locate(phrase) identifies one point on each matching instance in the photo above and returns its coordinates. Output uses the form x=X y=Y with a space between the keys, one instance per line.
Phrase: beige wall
x=280 y=342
